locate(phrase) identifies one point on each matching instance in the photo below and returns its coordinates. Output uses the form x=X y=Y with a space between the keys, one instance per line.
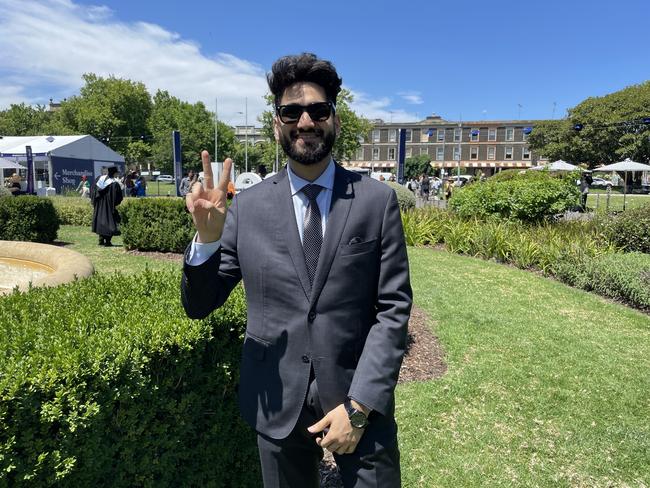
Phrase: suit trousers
x=293 y=462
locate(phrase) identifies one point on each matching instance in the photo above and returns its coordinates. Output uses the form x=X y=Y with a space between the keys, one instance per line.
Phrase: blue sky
x=402 y=60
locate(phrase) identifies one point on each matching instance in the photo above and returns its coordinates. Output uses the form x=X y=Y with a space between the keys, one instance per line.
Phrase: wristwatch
x=357 y=418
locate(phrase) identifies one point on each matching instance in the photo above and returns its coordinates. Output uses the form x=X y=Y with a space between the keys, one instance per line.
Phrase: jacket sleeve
x=376 y=375
x=207 y=286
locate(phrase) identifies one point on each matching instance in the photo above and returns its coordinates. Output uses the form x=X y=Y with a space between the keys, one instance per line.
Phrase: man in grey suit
x=321 y=252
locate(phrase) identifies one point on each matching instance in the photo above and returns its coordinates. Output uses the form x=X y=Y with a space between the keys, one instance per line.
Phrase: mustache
x=315 y=131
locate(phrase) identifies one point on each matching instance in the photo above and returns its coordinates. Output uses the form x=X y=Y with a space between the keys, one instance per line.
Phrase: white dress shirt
x=201 y=252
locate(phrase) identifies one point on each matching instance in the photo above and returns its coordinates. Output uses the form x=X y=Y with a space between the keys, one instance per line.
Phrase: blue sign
x=178 y=161
x=401 y=154
x=67 y=172
x=30 y=170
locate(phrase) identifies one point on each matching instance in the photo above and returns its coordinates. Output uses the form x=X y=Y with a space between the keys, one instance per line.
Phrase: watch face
x=358 y=420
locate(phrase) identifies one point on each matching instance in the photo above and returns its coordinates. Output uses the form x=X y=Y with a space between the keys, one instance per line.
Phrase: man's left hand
x=341 y=437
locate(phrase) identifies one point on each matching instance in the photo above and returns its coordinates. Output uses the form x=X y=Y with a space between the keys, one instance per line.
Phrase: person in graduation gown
x=106 y=195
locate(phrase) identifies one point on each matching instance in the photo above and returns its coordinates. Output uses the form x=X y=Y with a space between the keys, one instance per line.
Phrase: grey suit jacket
x=351 y=325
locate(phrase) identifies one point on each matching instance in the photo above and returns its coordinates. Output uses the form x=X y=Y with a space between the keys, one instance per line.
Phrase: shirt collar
x=326 y=179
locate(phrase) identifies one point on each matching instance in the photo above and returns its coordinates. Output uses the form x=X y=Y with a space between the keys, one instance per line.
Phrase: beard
x=311 y=152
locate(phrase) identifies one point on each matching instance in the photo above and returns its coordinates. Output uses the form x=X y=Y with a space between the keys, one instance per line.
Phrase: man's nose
x=305 y=122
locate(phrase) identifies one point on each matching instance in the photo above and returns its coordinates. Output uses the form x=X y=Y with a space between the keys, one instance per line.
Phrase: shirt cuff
x=200 y=252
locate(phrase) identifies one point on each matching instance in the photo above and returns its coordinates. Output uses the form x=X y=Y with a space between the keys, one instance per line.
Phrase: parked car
x=462 y=180
x=600 y=183
x=166 y=178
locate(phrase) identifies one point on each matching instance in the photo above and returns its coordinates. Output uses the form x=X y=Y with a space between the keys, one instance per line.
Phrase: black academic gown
x=105 y=215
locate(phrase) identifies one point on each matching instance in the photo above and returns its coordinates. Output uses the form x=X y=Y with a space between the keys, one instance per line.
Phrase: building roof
x=76 y=147
x=39 y=144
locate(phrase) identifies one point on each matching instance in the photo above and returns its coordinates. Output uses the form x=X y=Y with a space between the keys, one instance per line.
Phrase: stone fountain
x=22 y=263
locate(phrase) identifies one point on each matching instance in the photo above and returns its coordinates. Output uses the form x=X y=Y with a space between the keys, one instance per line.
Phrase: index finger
x=225 y=175
x=208 y=179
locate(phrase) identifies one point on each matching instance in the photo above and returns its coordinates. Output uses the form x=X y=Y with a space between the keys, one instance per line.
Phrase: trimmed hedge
x=630 y=230
x=405 y=197
x=28 y=218
x=622 y=276
x=73 y=210
x=156 y=224
x=106 y=382
x=523 y=197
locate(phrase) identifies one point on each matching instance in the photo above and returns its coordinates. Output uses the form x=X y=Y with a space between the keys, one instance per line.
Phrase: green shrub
x=405 y=197
x=622 y=276
x=630 y=230
x=105 y=382
x=519 y=197
x=425 y=226
x=73 y=210
x=28 y=218
x=156 y=224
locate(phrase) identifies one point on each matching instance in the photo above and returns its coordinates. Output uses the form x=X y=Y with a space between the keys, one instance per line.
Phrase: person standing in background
x=105 y=195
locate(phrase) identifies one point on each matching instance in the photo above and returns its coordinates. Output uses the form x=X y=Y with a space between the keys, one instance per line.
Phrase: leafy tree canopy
x=612 y=129
x=417 y=166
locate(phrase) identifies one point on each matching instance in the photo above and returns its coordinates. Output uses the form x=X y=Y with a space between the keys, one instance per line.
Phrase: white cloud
x=47 y=45
x=412 y=97
x=379 y=108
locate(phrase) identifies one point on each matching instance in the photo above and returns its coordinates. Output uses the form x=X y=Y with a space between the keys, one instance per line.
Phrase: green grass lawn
x=109 y=259
x=598 y=201
x=547 y=385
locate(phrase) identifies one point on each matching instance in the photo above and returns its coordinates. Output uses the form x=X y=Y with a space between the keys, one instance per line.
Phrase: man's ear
x=276 y=128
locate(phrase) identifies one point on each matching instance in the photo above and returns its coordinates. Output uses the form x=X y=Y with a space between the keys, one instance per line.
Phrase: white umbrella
x=8 y=164
x=627 y=166
x=558 y=165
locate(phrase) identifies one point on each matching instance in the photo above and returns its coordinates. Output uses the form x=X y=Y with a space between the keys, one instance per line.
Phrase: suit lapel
x=287 y=223
x=342 y=196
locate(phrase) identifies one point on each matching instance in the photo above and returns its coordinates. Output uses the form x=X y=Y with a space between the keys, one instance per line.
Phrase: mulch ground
x=424 y=360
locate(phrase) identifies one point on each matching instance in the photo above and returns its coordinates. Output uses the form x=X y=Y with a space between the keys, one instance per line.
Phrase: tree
x=416 y=166
x=599 y=130
x=196 y=125
x=353 y=126
x=111 y=109
x=24 y=120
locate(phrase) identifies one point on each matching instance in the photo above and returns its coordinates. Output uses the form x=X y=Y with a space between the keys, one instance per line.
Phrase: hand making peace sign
x=207 y=204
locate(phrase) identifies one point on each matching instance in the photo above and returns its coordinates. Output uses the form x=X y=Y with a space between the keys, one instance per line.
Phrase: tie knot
x=311 y=191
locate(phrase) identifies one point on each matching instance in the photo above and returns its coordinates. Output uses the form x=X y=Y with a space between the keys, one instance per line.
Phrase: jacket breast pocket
x=357 y=248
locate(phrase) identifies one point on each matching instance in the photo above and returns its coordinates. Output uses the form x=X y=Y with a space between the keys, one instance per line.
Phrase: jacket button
x=305 y=359
x=311 y=316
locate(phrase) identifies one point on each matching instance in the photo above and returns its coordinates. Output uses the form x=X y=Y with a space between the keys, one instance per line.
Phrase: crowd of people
x=431 y=187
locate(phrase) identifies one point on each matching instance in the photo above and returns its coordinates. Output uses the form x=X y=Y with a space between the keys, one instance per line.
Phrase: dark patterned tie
x=312 y=231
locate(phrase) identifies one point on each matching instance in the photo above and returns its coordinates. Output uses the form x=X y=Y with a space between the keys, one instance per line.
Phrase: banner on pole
x=178 y=161
x=401 y=154
x=30 y=170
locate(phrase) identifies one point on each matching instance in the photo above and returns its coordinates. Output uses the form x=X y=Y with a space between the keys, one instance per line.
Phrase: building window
x=510 y=134
x=359 y=154
x=426 y=133
x=508 y=153
x=457 y=135
x=473 y=152
x=391 y=154
x=473 y=135
x=375 y=154
x=441 y=135
x=524 y=136
x=456 y=153
x=409 y=135
x=375 y=135
x=409 y=152
x=525 y=153
x=424 y=150
x=392 y=135
x=492 y=134
x=440 y=153
x=492 y=151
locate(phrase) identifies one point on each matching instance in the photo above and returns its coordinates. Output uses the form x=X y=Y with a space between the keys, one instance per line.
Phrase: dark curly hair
x=303 y=67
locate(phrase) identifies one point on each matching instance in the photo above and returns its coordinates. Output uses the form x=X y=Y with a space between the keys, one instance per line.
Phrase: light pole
x=246 y=134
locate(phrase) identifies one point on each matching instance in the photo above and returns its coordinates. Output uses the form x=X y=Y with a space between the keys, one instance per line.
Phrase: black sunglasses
x=318 y=112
